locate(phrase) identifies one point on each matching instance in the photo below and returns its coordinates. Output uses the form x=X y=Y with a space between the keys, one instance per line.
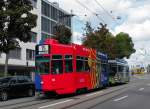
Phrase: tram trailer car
x=118 y=71
x=65 y=69
x=104 y=69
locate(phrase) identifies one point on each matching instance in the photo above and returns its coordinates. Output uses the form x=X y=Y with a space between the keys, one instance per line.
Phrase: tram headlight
x=42 y=82
x=53 y=79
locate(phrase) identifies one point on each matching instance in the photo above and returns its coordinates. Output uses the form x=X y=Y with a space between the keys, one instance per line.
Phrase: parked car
x=16 y=86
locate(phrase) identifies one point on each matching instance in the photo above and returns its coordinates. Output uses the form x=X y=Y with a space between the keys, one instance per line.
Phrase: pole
x=72 y=26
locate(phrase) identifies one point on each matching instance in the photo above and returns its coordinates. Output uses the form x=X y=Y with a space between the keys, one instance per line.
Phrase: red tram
x=64 y=69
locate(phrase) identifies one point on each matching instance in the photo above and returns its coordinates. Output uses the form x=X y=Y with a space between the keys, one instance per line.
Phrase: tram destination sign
x=42 y=49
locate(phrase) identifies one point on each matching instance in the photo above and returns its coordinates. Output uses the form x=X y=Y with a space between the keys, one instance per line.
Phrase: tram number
x=82 y=80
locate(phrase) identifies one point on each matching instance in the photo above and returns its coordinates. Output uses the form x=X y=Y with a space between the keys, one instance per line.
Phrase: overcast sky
x=134 y=19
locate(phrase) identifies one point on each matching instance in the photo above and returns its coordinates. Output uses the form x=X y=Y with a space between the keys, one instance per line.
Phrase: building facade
x=21 y=60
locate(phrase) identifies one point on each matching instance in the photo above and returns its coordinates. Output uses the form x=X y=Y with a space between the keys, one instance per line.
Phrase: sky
x=130 y=16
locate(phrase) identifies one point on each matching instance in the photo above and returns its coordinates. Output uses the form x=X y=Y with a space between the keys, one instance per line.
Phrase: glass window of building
x=54 y=13
x=69 y=21
x=45 y=9
x=15 y=54
x=45 y=25
x=34 y=3
x=53 y=25
x=30 y=54
x=33 y=37
x=60 y=15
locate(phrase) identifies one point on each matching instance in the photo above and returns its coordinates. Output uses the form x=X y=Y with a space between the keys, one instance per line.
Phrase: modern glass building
x=21 y=60
x=52 y=15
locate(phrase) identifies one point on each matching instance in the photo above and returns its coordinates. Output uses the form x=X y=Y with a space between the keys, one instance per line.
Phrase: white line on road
x=141 y=89
x=55 y=104
x=121 y=98
x=94 y=93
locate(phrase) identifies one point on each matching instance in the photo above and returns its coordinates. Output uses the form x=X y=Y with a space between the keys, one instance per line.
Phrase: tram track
x=122 y=89
x=24 y=102
x=39 y=101
x=30 y=103
x=67 y=107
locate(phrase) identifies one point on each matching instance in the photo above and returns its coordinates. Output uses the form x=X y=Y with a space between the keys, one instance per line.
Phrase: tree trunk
x=6 y=65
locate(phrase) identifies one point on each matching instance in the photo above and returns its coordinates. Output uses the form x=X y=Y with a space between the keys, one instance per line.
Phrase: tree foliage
x=118 y=46
x=124 y=44
x=88 y=28
x=62 y=34
x=16 y=22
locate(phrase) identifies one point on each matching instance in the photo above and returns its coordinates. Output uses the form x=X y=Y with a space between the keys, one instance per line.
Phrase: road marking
x=55 y=104
x=121 y=98
x=141 y=89
x=94 y=93
x=148 y=84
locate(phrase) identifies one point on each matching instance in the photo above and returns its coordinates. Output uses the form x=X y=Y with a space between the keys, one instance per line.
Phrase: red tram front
x=64 y=69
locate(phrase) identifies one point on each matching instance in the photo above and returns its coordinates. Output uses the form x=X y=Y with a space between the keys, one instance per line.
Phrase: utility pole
x=72 y=26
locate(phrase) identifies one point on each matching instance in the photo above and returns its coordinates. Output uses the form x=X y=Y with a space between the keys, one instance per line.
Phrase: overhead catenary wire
x=104 y=10
x=94 y=13
x=83 y=16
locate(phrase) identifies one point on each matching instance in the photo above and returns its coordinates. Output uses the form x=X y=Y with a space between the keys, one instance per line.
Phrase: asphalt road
x=134 y=95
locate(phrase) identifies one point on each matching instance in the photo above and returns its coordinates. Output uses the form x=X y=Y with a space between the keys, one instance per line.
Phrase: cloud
x=134 y=14
x=138 y=31
x=139 y=14
x=135 y=18
x=142 y=55
x=137 y=23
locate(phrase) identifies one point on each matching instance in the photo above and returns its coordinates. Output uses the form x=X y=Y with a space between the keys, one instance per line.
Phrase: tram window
x=86 y=59
x=56 y=57
x=68 y=57
x=127 y=69
x=57 y=64
x=87 y=68
x=120 y=68
x=104 y=67
x=79 y=64
x=42 y=67
x=68 y=64
x=57 y=67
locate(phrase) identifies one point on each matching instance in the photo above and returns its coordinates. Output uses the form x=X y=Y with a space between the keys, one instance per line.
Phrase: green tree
x=88 y=28
x=124 y=45
x=102 y=40
x=16 y=22
x=91 y=39
x=62 y=34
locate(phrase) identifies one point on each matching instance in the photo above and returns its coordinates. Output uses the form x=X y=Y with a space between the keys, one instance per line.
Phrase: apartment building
x=21 y=60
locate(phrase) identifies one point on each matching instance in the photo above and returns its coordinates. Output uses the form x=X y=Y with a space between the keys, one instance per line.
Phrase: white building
x=21 y=60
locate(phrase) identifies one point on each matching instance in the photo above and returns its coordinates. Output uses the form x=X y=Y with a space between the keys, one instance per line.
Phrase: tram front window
x=42 y=67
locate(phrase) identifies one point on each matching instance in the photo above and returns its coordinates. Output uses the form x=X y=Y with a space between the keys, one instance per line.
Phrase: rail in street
x=95 y=99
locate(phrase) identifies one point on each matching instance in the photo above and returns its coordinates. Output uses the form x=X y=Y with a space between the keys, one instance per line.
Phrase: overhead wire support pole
x=94 y=13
